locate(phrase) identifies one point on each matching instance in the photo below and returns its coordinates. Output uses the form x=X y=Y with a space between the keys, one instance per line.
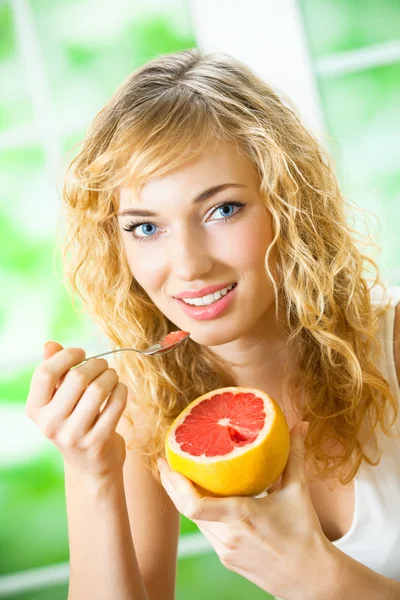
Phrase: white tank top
x=374 y=536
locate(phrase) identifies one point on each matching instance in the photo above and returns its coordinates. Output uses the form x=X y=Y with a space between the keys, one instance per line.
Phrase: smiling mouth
x=211 y=310
x=209 y=299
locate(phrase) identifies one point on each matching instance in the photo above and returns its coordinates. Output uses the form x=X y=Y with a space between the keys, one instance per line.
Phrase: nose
x=188 y=256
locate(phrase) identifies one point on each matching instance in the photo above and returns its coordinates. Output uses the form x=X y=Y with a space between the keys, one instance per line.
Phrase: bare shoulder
x=396 y=340
x=154 y=520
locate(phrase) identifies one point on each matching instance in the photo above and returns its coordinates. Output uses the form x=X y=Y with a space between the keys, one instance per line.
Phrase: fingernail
x=304 y=428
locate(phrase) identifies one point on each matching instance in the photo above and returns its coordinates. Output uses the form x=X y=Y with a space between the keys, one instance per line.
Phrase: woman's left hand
x=276 y=541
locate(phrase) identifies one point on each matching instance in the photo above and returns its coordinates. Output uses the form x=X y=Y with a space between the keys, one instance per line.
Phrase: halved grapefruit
x=232 y=441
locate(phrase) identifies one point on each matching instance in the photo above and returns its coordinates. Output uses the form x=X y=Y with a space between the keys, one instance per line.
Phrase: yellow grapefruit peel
x=245 y=472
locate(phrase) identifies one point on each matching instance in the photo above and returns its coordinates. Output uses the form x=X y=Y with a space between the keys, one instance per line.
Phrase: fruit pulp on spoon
x=173 y=337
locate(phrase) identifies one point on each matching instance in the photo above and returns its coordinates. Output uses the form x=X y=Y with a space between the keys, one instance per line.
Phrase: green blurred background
x=59 y=63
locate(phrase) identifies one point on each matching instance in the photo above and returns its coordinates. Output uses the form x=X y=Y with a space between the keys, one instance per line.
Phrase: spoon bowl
x=165 y=345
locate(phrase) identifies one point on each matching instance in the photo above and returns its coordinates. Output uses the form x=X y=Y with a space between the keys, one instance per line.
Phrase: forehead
x=219 y=163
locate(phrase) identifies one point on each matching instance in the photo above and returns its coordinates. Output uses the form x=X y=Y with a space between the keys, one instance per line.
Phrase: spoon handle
x=149 y=351
x=153 y=350
x=112 y=352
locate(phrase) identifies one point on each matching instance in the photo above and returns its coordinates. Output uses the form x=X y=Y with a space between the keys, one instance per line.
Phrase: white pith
x=238 y=450
x=209 y=299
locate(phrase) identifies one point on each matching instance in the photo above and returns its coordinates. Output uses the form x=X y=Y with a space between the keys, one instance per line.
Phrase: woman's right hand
x=66 y=406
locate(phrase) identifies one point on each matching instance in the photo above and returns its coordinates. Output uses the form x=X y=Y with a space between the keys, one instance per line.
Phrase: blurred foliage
x=341 y=25
x=362 y=111
x=37 y=536
x=87 y=49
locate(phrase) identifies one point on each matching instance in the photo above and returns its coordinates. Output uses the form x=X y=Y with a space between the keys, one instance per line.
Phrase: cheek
x=146 y=267
x=246 y=249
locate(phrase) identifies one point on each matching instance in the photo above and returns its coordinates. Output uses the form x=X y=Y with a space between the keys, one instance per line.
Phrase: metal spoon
x=154 y=350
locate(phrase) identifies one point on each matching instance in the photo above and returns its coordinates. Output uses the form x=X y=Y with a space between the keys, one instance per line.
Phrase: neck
x=257 y=358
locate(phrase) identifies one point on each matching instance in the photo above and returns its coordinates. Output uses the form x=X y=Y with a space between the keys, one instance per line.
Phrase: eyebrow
x=212 y=191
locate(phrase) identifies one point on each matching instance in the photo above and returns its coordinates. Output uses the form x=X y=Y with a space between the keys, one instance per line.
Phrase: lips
x=211 y=311
x=204 y=291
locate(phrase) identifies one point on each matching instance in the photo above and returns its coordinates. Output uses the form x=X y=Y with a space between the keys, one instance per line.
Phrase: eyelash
x=132 y=226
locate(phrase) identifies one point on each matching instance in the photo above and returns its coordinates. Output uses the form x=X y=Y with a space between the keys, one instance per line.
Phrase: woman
x=185 y=138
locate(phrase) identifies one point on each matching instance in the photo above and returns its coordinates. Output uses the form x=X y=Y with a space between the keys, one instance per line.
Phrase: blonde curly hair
x=164 y=113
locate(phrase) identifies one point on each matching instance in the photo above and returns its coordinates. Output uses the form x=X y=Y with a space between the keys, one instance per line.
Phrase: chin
x=218 y=337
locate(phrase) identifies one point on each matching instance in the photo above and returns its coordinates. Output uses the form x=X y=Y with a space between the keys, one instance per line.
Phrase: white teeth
x=209 y=299
x=198 y=301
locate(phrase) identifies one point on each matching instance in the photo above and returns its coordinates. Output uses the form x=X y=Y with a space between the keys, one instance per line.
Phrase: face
x=194 y=240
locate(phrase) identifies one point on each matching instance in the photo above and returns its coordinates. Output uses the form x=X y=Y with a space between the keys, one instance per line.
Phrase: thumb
x=51 y=348
x=294 y=469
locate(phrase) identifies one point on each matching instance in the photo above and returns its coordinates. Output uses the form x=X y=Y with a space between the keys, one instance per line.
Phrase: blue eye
x=224 y=214
x=132 y=227
x=148 y=229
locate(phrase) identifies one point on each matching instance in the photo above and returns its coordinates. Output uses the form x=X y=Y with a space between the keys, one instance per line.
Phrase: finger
x=89 y=404
x=111 y=414
x=209 y=534
x=50 y=348
x=294 y=471
x=48 y=373
x=74 y=386
x=193 y=505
